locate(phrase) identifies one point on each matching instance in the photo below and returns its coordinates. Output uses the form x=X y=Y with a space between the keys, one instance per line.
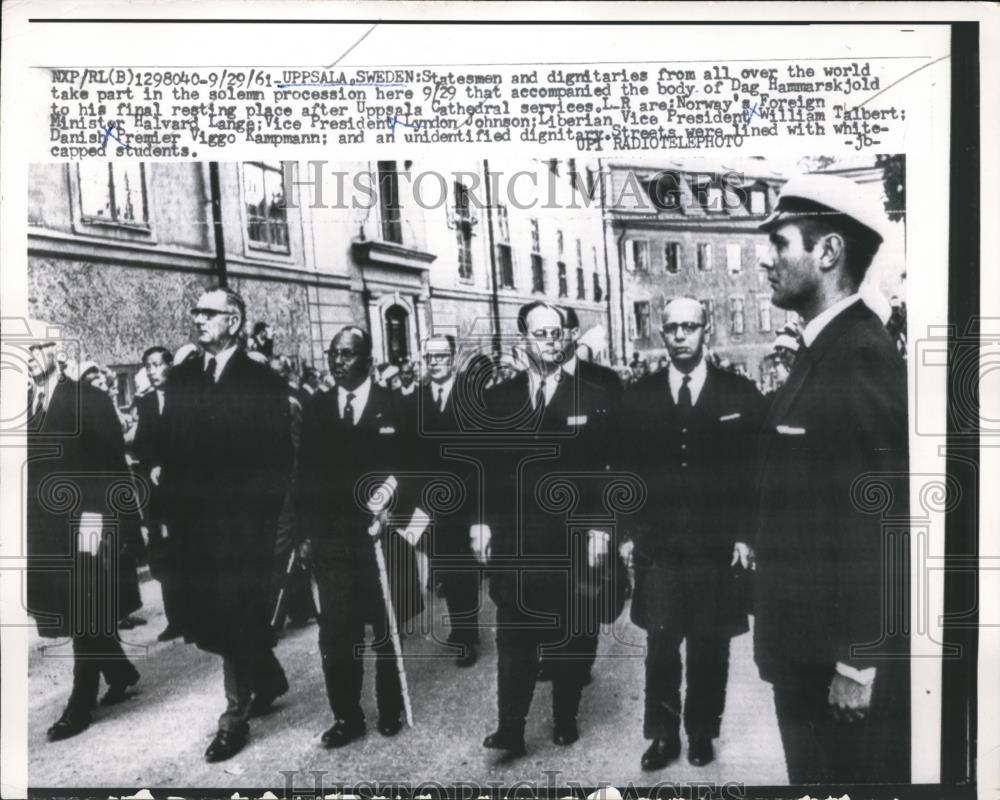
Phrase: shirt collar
x=444 y=386
x=824 y=318
x=360 y=397
x=697 y=375
x=221 y=359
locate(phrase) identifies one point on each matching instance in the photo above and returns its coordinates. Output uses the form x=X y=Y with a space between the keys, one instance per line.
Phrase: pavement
x=158 y=736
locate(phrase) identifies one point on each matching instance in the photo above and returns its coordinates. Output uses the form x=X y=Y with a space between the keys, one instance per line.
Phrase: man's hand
x=625 y=551
x=154 y=475
x=742 y=554
x=479 y=538
x=849 y=700
x=144 y=530
x=305 y=550
x=410 y=535
x=597 y=546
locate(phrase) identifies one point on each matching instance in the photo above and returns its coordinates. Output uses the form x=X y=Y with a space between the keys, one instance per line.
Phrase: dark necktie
x=349 y=409
x=540 y=396
x=684 y=395
x=440 y=399
x=210 y=369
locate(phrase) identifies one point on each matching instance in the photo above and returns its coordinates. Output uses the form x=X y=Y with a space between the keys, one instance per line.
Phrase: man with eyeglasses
x=554 y=441
x=697 y=425
x=226 y=466
x=453 y=566
x=353 y=439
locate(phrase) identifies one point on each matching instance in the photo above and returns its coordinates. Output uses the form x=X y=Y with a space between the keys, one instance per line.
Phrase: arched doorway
x=397 y=333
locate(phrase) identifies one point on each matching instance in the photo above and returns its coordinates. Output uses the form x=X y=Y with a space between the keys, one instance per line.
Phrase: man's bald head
x=685 y=306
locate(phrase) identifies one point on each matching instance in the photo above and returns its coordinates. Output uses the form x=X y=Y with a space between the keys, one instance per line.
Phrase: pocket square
x=581 y=420
x=387 y=429
x=790 y=430
x=728 y=417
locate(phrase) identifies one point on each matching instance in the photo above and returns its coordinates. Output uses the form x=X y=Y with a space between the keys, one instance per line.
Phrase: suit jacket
x=226 y=466
x=839 y=421
x=699 y=471
x=338 y=466
x=550 y=477
x=76 y=464
x=149 y=446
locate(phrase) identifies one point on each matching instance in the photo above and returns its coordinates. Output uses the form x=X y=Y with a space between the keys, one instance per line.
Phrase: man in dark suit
x=353 y=439
x=225 y=470
x=697 y=425
x=451 y=558
x=80 y=504
x=836 y=655
x=554 y=442
x=148 y=447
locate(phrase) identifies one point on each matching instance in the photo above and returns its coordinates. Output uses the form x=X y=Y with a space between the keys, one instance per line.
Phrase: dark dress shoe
x=118 y=692
x=565 y=733
x=700 y=751
x=169 y=633
x=342 y=733
x=661 y=752
x=503 y=740
x=389 y=726
x=69 y=724
x=226 y=744
x=264 y=699
x=469 y=656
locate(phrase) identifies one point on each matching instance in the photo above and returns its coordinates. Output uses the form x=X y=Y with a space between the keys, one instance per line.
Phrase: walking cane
x=378 y=502
x=279 y=605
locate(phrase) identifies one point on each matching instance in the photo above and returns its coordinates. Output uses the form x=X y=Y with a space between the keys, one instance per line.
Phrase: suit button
x=684 y=464
x=684 y=430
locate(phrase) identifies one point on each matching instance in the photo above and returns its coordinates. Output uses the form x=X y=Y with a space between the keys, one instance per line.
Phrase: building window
x=388 y=197
x=665 y=191
x=637 y=255
x=715 y=200
x=264 y=200
x=598 y=291
x=672 y=257
x=737 y=317
x=581 y=281
x=113 y=192
x=704 y=257
x=734 y=258
x=640 y=313
x=709 y=305
x=758 y=202
x=563 y=282
x=591 y=182
x=764 y=312
x=537 y=266
x=463 y=230
x=505 y=254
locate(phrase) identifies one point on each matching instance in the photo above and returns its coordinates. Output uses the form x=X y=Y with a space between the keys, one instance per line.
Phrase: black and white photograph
x=366 y=450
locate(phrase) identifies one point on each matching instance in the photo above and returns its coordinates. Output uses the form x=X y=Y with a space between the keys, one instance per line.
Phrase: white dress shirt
x=551 y=381
x=444 y=388
x=824 y=318
x=696 y=384
x=358 y=403
x=221 y=359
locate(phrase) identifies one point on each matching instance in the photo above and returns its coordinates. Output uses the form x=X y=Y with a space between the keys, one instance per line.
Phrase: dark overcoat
x=76 y=464
x=833 y=474
x=699 y=472
x=339 y=465
x=226 y=467
x=551 y=475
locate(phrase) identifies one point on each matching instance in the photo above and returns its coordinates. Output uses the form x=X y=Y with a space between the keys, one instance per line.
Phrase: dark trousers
x=819 y=749
x=460 y=578
x=165 y=567
x=518 y=650
x=96 y=654
x=342 y=647
x=243 y=674
x=707 y=673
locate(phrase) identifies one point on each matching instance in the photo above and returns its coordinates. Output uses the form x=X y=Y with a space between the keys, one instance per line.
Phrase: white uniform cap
x=812 y=195
x=788 y=342
x=87 y=366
